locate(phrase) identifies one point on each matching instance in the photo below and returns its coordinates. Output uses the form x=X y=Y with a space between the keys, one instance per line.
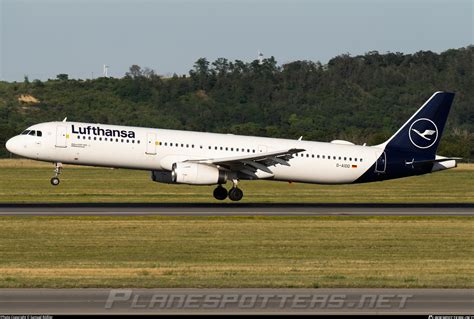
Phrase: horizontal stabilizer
x=439 y=160
x=439 y=163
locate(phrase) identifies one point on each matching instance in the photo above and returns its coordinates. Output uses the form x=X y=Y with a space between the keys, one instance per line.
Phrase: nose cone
x=12 y=145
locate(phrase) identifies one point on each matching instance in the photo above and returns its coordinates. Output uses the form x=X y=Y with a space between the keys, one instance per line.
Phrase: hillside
x=363 y=99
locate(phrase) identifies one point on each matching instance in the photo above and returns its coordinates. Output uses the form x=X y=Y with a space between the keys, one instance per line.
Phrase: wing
x=249 y=164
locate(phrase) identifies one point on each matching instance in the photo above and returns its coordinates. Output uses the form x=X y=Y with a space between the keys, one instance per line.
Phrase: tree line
x=362 y=99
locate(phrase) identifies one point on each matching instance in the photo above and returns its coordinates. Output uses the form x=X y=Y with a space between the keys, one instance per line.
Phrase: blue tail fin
x=422 y=132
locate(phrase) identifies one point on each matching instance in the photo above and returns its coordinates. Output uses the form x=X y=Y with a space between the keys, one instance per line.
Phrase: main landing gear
x=234 y=194
x=220 y=193
x=57 y=170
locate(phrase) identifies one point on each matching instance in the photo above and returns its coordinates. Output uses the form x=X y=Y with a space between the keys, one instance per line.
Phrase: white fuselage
x=157 y=149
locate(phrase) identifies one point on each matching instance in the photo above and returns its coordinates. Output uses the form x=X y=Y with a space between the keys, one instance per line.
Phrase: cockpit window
x=32 y=133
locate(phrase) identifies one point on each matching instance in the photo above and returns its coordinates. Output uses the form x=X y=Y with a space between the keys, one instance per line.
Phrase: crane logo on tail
x=423 y=133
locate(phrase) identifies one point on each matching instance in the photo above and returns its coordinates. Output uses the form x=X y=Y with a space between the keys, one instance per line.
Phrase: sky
x=42 y=38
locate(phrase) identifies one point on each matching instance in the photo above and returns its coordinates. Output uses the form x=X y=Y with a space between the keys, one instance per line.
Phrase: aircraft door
x=61 y=136
x=381 y=163
x=151 y=143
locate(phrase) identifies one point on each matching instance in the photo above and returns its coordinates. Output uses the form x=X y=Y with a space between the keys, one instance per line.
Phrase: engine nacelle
x=197 y=174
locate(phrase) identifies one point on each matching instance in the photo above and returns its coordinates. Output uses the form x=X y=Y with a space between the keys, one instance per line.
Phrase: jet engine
x=191 y=173
x=198 y=174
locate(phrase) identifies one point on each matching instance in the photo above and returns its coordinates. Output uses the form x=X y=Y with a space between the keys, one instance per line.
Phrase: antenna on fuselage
x=65 y=119
x=300 y=138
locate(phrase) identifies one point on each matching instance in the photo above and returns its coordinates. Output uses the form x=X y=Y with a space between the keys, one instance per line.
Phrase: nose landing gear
x=57 y=170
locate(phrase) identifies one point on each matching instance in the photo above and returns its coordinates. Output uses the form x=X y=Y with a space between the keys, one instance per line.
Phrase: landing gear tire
x=54 y=181
x=236 y=194
x=57 y=170
x=220 y=193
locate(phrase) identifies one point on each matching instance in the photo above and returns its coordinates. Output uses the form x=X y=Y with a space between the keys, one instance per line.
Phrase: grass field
x=28 y=181
x=237 y=252
x=197 y=252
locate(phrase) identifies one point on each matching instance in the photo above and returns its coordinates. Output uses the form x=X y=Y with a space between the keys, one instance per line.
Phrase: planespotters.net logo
x=450 y=317
x=423 y=133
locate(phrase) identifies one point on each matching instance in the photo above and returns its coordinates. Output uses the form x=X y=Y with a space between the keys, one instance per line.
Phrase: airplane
x=200 y=158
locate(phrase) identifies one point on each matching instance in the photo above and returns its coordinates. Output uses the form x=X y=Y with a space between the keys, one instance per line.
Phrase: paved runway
x=182 y=301
x=236 y=209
